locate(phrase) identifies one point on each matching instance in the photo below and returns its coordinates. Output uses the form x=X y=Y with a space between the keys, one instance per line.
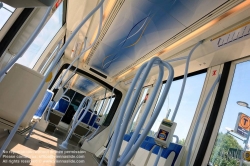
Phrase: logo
x=162 y=135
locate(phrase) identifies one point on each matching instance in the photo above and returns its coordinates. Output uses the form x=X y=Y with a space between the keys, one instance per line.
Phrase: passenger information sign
x=242 y=126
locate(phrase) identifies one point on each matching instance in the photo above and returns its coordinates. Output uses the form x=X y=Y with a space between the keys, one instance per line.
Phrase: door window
x=234 y=125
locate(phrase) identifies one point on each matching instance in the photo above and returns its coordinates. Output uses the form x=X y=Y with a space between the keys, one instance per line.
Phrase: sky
x=187 y=107
x=5 y=14
x=33 y=53
x=239 y=91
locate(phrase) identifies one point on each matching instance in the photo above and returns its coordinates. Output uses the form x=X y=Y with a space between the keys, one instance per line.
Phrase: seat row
x=148 y=152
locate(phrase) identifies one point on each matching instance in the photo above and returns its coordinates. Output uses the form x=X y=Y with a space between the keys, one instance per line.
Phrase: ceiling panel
x=142 y=25
x=78 y=82
x=85 y=85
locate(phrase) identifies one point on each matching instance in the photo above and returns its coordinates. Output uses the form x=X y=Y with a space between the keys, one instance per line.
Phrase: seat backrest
x=96 y=125
x=126 y=137
x=147 y=145
x=44 y=104
x=150 y=139
x=86 y=117
x=156 y=150
x=93 y=118
x=62 y=105
x=16 y=90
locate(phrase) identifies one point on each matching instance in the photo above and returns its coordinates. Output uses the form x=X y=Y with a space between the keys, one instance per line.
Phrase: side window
x=5 y=12
x=33 y=53
x=108 y=106
x=100 y=107
x=187 y=107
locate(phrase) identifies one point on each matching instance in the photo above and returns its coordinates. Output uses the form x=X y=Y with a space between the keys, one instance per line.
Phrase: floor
x=43 y=149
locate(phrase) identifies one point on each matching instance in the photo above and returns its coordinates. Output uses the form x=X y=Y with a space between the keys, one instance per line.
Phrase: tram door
x=230 y=136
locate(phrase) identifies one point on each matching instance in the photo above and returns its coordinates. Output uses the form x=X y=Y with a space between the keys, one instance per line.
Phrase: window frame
x=222 y=108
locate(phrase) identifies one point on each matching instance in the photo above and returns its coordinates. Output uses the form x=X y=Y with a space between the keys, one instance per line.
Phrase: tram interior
x=125 y=82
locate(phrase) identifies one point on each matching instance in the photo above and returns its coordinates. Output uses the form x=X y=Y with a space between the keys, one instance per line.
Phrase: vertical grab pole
x=79 y=111
x=158 y=156
x=65 y=143
x=127 y=108
x=28 y=136
x=95 y=119
x=111 y=128
x=199 y=118
x=58 y=56
x=137 y=144
x=147 y=107
x=122 y=110
x=133 y=118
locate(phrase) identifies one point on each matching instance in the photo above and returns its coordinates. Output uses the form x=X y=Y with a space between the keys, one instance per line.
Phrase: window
x=230 y=140
x=43 y=39
x=5 y=12
x=187 y=107
x=48 y=59
x=100 y=106
x=108 y=106
x=139 y=109
x=95 y=105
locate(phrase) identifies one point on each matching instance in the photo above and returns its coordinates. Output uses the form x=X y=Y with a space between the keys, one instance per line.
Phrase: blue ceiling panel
x=142 y=25
x=85 y=85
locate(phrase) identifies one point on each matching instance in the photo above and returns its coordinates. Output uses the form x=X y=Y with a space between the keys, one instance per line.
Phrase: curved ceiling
x=85 y=85
x=78 y=82
x=142 y=25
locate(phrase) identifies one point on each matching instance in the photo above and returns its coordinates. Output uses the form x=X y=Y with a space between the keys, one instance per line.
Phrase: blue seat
x=126 y=137
x=96 y=125
x=156 y=150
x=62 y=105
x=43 y=105
x=86 y=117
x=92 y=120
x=81 y=114
x=150 y=139
x=147 y=145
